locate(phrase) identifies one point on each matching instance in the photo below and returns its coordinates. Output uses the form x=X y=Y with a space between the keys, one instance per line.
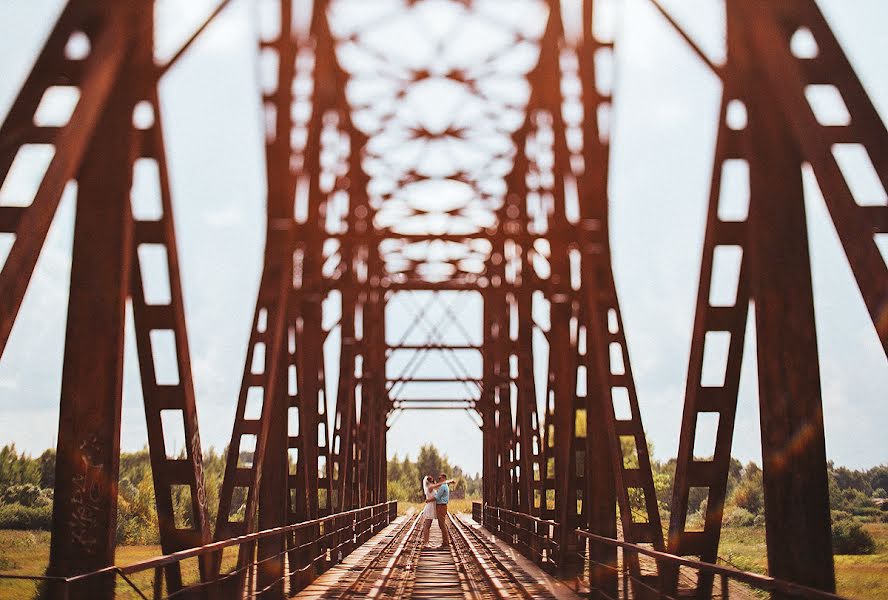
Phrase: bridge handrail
x=762 y=582
x=167 y=559
x=524 y=516
x=158 y=562
x=522 y=521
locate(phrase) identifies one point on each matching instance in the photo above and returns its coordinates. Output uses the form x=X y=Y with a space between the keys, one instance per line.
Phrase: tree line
x=26 y=484
x=405 y=476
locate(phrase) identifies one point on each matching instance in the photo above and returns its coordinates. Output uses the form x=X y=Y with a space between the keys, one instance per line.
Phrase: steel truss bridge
x=497 y=197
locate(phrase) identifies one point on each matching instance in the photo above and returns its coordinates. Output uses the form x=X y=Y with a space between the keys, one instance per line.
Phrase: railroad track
x=375 y=579
x=490 y=572
x=472 y=569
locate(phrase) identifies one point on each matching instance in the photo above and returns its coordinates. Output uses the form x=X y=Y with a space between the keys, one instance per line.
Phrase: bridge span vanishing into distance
x=424 y=171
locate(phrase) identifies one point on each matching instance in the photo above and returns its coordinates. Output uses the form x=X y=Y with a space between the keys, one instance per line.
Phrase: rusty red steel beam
x=788 y=78
x=359 y=456
x=95 y=76
x=780 y=132
x=168 y=393
x=88 y=452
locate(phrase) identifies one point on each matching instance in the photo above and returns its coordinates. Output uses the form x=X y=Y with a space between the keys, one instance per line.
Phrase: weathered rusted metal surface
x=768 y=125
x=528 y=241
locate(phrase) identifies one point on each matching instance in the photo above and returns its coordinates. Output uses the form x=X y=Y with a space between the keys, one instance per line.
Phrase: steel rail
x=491 y=568
x=387 y=571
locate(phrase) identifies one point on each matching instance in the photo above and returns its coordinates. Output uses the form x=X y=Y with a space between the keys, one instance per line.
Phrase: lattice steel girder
x=103 y=57
x=88 y=452
x=789 y=78
x=95 y=75
x=168 y=397
x=768 y=124
x=583 y=305
x=313 y=473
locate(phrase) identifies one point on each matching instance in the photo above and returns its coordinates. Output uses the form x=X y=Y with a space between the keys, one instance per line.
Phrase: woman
x=428 y=513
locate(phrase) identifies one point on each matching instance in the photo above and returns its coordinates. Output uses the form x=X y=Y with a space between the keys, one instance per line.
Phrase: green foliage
x=849 y=537
x=405 y=476
x=26 y=489
x=852 y=500
x=26 y=494
x=16 y=516
x=749 y=493
x=17 y=469
x=47 y=468
x=848 y=479
x=738 y=517
x=136 y=515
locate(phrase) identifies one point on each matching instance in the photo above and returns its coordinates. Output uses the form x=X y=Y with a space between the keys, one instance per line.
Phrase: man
x=442 y=497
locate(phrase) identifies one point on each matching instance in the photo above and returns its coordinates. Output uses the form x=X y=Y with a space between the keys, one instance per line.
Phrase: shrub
x=880 y=493
x=136 y=522
x=855 y=501
x=869 y=512
x=26 y=494
x=884 y=517
x=749 y=496
x=849 y=537
x=738 y=517
x=16 y=516
x=839 y=514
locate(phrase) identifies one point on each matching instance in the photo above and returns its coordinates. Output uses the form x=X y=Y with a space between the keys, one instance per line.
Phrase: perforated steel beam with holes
x=342 y=232
x=779 y=59
x=85 y=51
x=99 y=59
x=160 y=328
x=844 y=141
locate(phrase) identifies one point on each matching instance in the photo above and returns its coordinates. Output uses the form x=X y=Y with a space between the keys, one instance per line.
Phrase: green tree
x=431 y=462
x=749 y=493
x=17 y=469
x=47 y=468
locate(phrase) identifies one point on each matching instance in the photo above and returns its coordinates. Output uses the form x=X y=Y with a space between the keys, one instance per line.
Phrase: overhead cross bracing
x=437 y=213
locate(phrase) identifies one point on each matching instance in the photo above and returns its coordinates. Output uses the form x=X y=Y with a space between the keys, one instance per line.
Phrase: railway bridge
x=415 y=175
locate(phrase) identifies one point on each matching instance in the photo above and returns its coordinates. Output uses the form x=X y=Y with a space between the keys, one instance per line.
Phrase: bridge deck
x=394 y=565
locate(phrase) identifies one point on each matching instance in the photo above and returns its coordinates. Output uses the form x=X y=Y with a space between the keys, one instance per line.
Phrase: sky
x=666 y=111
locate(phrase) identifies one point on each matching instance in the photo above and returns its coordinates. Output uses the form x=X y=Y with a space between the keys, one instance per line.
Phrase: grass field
x=27 y=553
x=856 y=576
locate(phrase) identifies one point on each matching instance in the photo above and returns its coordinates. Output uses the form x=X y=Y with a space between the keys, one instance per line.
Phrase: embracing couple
x=437 y=495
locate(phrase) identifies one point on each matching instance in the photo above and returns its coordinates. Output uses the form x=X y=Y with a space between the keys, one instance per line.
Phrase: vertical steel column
x=486 y=403
x=562 y=334
x=772 y=78
x=797 y=514
x=728 y=317
x=513 y=220
x=88 y=455
x=600 y=497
